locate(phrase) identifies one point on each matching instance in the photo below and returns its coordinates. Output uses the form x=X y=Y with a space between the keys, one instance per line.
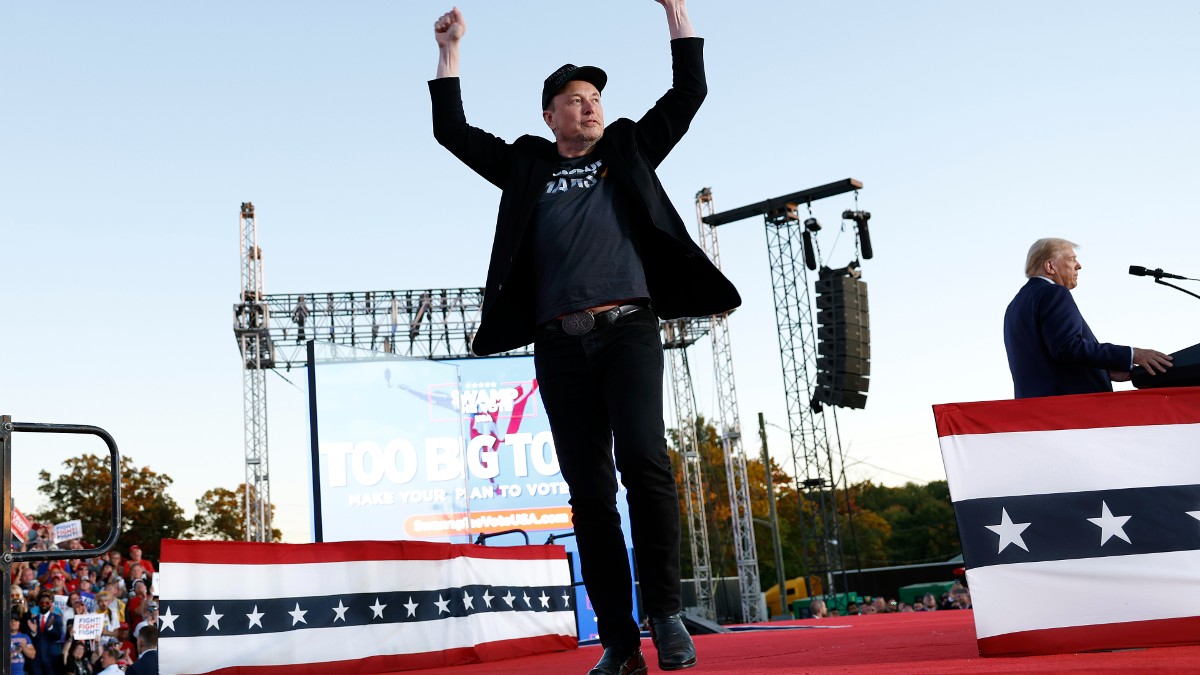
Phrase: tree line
x=148 y=513
x=880 y=526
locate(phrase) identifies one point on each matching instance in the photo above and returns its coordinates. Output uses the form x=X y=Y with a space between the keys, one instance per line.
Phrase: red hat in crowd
x=135 y=547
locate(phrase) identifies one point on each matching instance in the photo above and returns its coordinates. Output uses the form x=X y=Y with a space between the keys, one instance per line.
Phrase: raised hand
x=449 y=28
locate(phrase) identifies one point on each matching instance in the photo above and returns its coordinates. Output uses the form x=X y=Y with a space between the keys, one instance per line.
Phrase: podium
x=1079 y=518
x=1184 y=371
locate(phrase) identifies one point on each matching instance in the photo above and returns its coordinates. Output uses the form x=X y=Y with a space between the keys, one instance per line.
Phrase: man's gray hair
x=1043 y=250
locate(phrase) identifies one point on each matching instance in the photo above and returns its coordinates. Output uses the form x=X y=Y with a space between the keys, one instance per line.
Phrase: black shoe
x=620 y=662
x=675 y=648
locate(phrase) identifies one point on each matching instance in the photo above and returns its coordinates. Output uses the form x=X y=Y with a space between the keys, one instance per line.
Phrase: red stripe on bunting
x=250 y=553
x=487 y=651
x=1151 y=407
x=1158 y=633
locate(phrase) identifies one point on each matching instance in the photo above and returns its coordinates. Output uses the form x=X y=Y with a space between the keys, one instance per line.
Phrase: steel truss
x=744 y=546
x=251 y=319
x=434 y=323
x=677 y=335
x=797 y=347
x=812 y=455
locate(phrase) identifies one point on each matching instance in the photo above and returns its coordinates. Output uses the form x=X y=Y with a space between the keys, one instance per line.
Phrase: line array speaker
x=843 y=339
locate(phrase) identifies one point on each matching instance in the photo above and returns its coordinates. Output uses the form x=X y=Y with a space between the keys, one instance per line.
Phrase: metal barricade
x=7 y=429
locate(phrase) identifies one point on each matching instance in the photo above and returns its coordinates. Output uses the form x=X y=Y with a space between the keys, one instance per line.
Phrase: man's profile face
x=1063 y=268
x=576 y=114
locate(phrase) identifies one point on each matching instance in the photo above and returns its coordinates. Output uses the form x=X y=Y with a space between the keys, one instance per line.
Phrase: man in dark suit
x=46 y=627
x=1051 y=349
x=147 y=662
x=588 y=255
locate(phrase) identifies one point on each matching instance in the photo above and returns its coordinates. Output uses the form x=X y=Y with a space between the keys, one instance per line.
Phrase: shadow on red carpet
x=933 y=642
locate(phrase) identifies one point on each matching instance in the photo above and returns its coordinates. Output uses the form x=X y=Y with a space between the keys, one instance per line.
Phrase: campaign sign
x=20 y=524
x=72 y=529
x=88 y=626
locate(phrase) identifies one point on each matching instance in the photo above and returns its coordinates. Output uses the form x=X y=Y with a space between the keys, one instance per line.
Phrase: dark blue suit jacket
x=48 y=642
x=1051 y=350
x=147 y=664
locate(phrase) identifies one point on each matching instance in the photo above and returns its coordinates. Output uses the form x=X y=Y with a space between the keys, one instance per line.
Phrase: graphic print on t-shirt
x=581 y=177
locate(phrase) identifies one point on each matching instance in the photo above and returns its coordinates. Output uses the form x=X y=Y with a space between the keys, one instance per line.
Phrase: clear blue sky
x=132 y=131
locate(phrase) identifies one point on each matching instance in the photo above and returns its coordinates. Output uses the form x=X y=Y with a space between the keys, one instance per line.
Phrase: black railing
x=9 y=556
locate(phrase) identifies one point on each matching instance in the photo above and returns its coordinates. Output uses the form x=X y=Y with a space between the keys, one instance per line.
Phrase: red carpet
x=934 y=642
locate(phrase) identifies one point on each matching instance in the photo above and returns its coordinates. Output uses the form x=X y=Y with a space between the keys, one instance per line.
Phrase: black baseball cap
x=559 y=79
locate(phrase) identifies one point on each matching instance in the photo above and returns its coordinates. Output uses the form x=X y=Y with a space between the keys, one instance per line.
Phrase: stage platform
x=933 y=642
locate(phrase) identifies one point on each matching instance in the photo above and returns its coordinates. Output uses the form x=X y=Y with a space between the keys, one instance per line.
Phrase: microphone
x=1139 y=271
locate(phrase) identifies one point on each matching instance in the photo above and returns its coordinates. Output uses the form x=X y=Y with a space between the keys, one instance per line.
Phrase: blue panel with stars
x=1032 y=528
x=190 y=618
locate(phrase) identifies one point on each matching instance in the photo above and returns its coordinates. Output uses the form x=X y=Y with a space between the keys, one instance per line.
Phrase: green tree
x=221 y=515
x=718 y=512
x=83 y=492
x=922 y=522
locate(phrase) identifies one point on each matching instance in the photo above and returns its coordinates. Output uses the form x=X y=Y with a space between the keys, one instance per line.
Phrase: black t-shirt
x=584 y=252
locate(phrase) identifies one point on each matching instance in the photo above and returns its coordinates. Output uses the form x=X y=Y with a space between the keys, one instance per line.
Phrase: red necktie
x=43 y=623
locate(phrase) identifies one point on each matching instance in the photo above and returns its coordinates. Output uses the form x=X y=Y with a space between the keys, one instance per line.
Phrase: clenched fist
x=449 y=28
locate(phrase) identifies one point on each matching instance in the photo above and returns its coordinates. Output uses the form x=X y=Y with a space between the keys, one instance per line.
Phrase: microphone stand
x=1158 y=280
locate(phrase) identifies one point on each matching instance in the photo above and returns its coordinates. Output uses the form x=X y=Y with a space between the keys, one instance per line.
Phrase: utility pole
x=779 y=571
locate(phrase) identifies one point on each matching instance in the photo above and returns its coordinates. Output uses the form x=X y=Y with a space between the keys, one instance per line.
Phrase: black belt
x=584 y=322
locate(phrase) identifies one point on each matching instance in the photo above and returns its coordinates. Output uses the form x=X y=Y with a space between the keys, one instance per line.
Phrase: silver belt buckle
x=578 y=323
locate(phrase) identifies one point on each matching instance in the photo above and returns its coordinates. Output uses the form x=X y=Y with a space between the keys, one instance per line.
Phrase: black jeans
x=603 y=393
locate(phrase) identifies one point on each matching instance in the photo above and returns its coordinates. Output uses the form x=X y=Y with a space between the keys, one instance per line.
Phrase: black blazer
x=1051 y=350
x=681 y=278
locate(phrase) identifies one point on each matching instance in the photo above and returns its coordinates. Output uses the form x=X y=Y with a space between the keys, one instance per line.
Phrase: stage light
x=860 y=219
x=810 y=252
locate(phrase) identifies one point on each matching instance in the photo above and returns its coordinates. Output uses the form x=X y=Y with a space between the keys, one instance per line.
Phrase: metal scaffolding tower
x=744 y=547
x=677 y=335
x=251 y=321
x=812 y=455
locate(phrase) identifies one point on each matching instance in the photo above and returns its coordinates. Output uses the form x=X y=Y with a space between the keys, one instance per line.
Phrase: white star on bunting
x=340 y=611
x=298 y=615
x=545 y=599
x=255 y=618
x=411 y=606
x=377 y=609
x=566 y=600
x=214 y=619
x=487 y=598
x=1110 y=525
x=468 y=601
x=1194 y=514
x=1010 y=532
x=509 y=598
x=442 y=605
x=168 y=619
x=525 y=597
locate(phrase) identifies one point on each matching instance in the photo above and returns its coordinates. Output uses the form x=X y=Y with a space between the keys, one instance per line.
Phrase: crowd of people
x=118 y=588
x=957 y=597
